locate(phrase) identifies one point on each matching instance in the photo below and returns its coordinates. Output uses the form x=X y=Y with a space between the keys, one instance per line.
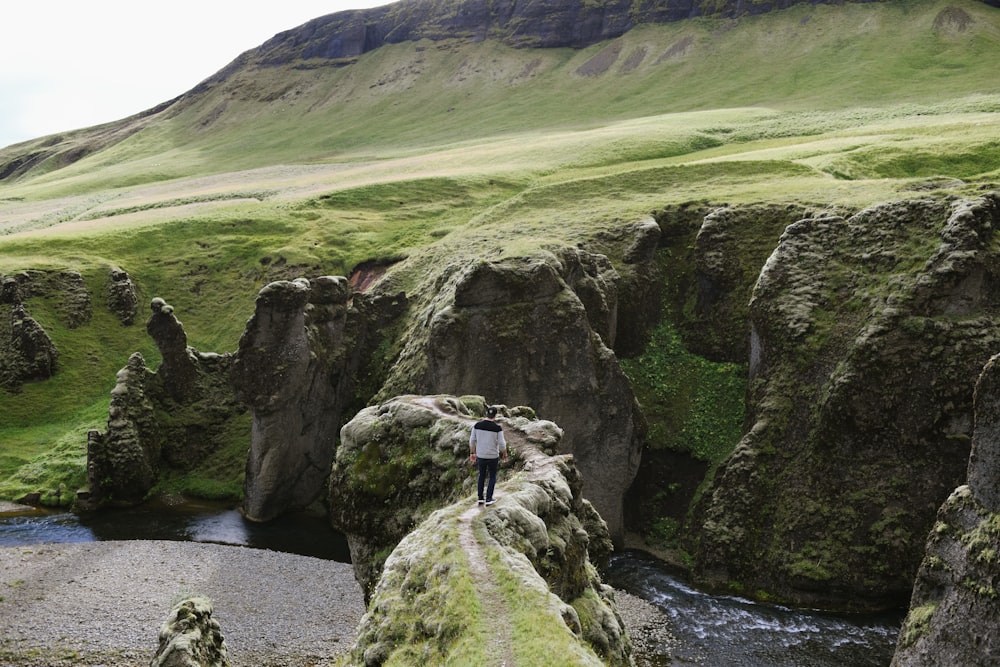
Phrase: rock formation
x=26 y=352
x=539 y=329
x=954 y=616
x=296 y=368
x=395 y=462
x=402 y=467
x=123 y=462
x=867 y=336
x=543 y=24
x=190 y=637
x=172 y=417
x=122 y=298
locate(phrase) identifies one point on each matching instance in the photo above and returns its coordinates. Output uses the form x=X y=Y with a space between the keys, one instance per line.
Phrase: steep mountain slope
x=295 y=100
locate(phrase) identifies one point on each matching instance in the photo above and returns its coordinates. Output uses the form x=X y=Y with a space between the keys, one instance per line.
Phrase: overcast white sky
x=67 y=64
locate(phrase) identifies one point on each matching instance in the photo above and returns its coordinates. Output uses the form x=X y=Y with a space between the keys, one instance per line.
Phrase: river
x=709 y=630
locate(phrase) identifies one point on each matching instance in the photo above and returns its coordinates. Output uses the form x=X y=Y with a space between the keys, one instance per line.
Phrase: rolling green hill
x=434 y=149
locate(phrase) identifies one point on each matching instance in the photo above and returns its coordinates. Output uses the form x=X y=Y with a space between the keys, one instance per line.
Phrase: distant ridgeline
x=542 y=24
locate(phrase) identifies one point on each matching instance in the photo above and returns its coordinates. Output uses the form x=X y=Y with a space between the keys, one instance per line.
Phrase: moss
x=917 y=624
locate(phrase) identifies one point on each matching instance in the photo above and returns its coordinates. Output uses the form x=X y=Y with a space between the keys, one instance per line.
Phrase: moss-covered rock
x=517 y=577
x=397 y=462
x=172 y=418
x=536 y=330
x=190 y=637
x=868 y=334
x=954 y=615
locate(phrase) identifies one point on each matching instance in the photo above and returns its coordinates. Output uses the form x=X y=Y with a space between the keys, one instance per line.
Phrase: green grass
x=693 y=405
x=536 y=640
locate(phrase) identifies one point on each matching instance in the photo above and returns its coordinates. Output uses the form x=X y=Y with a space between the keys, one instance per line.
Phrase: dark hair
x=491 y=411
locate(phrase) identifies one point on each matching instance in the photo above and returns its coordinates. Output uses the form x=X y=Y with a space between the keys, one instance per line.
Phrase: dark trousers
x=490 y=467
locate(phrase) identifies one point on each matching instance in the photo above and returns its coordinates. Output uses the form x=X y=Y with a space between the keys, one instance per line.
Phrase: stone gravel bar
x=102 y=603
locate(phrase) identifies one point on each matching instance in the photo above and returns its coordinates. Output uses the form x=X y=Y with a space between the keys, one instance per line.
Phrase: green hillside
x=438 y=149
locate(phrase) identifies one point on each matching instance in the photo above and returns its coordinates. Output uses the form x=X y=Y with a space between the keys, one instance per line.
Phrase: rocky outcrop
x=179 y=369
x=27 y=353
x=190 y=637
x=867 y=336
x=173 y=417
x=123 y=462
x=66 y=289
x=396 y=461
x=122 y=297
x=954 y=616
x=296 y=368
x=731 y=246
x=401 y=486
x=536 y=330
x=542 y=24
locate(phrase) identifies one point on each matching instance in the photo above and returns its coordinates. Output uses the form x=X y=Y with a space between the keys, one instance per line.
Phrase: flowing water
x=708 y=630
x=725 y=631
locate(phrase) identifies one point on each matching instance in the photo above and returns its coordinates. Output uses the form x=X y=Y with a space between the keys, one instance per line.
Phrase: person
x=487 y=448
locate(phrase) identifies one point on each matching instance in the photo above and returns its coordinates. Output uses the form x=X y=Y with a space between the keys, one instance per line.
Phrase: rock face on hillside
x=296 y=369
x=402 y=486
x=867 y=336
x=537 y=330
x=542 y=24
x=175 y=416
x=26 y=351
x=122 y=296
x=954 y=616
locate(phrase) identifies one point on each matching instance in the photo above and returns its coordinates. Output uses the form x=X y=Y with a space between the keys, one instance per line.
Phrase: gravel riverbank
x=102 y=603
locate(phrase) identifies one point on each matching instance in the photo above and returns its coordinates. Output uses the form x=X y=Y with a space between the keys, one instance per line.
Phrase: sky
x=67 y=64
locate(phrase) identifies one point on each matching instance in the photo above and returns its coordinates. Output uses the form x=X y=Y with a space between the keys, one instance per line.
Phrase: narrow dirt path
x=493 y=604
x=492 y=600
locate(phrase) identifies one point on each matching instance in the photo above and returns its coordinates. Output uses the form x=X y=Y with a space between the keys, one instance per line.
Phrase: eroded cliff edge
x=954 y=616
x=867 y=334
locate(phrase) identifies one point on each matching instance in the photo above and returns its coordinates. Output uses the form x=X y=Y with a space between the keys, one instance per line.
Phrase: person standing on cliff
x=487 y=448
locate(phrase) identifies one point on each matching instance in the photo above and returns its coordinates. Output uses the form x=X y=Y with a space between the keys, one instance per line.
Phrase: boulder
x=190 y=637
